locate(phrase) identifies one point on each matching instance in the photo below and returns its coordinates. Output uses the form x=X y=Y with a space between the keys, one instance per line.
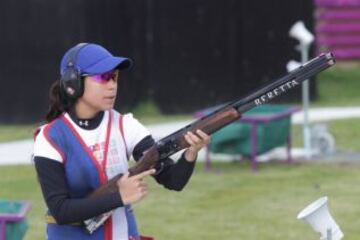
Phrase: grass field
x=235 y=204
x=338 y=87
x=232 y=204
x=16 y=132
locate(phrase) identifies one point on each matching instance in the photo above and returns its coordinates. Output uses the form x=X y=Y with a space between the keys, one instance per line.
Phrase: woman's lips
x=110 y=97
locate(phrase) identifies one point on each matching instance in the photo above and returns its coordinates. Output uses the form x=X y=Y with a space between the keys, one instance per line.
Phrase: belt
x=50 y=219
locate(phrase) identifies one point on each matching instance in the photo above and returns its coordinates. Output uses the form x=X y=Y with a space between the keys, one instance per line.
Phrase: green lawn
x=338 y=87
x=235 y=204
x=232 y=204
x=346 y=133
x=16 y=132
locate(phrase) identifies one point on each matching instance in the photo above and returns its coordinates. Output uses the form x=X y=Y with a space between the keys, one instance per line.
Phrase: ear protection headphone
x=70 y=82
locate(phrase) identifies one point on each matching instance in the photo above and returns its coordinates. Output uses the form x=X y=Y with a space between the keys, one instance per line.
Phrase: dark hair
x=58 y=102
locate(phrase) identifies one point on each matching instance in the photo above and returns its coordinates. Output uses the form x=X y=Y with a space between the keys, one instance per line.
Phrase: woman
x=85 y=142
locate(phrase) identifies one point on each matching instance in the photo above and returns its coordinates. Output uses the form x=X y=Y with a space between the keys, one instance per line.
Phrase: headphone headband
x=73 y=54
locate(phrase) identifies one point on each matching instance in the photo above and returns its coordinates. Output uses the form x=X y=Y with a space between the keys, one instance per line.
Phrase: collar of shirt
x=88 y=124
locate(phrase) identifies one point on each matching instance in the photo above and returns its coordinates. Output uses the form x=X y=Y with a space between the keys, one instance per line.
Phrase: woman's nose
x=112 y=83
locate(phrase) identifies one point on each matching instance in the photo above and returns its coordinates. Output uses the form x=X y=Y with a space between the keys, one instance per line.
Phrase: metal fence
x=338 y=28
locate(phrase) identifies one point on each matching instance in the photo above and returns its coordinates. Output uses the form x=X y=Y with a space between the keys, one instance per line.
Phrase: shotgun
x=214 y=121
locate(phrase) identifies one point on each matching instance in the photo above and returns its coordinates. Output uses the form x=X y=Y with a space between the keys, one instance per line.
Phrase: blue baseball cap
x=93 y=59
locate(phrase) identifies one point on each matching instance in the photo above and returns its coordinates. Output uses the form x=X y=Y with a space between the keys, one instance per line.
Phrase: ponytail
x=58 y=102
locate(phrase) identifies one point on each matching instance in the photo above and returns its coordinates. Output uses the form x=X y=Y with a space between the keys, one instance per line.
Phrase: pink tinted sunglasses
x=104 y=77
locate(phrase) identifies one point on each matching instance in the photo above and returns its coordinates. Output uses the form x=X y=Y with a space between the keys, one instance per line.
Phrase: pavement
x=20 y=152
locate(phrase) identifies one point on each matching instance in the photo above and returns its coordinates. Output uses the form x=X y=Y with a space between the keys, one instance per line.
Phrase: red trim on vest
x=146 y=238
x=36 y=132
x=108 y=229
x=108 y=224
x=100 y=168
x=107 y=140
x=53 y=144
x=121 y=126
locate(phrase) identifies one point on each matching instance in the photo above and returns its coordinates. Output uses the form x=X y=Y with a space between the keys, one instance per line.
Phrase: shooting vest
x=84 y=174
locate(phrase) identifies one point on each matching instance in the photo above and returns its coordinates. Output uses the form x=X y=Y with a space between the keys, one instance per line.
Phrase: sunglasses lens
x=105 y=77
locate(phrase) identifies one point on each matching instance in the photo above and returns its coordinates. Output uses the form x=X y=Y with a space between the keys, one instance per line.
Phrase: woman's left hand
x=197 y=141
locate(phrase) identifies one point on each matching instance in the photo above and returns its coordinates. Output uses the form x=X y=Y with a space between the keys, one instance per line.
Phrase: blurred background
x=190 y=55
x=208 y=51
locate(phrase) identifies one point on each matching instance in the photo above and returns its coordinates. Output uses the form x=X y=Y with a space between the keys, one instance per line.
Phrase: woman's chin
x=107 y=106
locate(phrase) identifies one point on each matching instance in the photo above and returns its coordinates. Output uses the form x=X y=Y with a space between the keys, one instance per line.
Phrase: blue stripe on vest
x=82 y=178
x=132 y=227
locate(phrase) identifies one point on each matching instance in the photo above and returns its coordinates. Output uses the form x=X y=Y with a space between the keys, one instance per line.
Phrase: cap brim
x=109 y=64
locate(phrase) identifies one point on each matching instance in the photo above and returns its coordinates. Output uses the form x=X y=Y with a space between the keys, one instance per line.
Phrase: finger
x=140 y=196
x=141 y=192
x=196 y=139
x=144 y=193
x=142 y=185
x=205 y=139
x=189 y=140
x=203 y=135
x=143 y=189
x=139 y=180
x=125 y=176
x=137 y=184
x=144 y=174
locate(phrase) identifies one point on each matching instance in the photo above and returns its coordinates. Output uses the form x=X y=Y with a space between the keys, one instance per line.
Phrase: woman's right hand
x=133 y=189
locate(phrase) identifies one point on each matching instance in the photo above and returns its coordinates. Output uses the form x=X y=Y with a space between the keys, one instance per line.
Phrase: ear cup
x=72 y=86
x=71 y=83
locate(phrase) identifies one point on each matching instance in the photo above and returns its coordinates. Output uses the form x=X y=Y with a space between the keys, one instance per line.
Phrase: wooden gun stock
x=147 y=162
x=151 y=156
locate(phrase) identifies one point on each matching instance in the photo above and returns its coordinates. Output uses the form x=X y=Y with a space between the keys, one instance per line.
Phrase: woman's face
x=99 y=93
